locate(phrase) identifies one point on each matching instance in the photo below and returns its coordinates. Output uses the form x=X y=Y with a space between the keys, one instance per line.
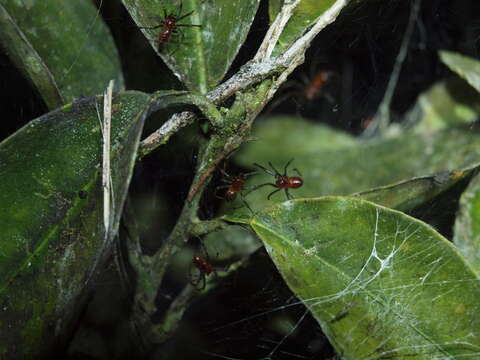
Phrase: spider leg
x=248 y=206
x=224 y=173
x=151 y=27
x=286 y=167
x=250 y=174
x=180 y=6
x=297 y=171
x=253 y=188
x=268 y=171
x=219 y=188
x=275 y=170
x=273 y=192
x=289 y=197
x=188 y=25
x=279 y=101
x=185 y=15
x=245 y=203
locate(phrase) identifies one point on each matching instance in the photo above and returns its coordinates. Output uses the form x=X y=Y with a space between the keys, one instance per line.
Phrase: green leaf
x=467 y=224
x=291 y=135
x=234 y=243
x=305 y=14
x=71 y=40
x=381 y=284
x=330 y=168
x=468 y=68
x=407 y=195
x=51 y=215
x=199 y=56
x=446 y=104
x=28 y=60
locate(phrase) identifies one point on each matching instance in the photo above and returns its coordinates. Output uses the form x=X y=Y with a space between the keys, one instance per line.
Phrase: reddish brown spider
x=306 y=90
x=234 y=185
x=169 y=26
x=204 y=267
x=282 y=181
x=315 y=86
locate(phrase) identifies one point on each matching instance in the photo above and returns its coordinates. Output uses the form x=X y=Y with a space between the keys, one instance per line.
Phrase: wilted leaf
x=71 y=40
x=381 y=284
x=199 y=56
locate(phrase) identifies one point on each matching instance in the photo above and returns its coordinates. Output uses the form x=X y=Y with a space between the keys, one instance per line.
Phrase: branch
x=275 y=30
x=252 y=72
x=382 y=117
x=238 y=122
x=171 y=320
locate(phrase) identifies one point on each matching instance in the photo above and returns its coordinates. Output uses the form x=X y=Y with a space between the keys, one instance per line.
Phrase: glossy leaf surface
x=51 y=215
x=71 y=40
x=381 y=284
x=199 y=55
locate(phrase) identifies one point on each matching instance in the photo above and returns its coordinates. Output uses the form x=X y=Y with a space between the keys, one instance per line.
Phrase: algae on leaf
x=51 y=215
x=381 y=284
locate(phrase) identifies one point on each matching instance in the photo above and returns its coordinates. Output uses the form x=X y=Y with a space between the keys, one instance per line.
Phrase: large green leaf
x=71 y=40
x=468 y=68
x=381 y=284
x=406 y=195
x=51 y=216
x=199 y=56
x=467 y=225
x=332 y=167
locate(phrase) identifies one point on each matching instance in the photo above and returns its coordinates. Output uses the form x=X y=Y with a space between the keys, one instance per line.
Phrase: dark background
x=359 y=49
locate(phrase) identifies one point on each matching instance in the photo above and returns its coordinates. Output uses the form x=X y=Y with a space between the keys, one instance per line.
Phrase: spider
x=234 y=185
x=169 y=25
x=305 y=90
x=204 y=267
x=282 y=181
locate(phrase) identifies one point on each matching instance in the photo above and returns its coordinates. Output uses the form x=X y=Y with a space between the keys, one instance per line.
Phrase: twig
x=382 y=117
x=250 y=74
x=179 y=305
x=275 y=30
x=106 y=171
x=239 y=119
x=321 y=22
